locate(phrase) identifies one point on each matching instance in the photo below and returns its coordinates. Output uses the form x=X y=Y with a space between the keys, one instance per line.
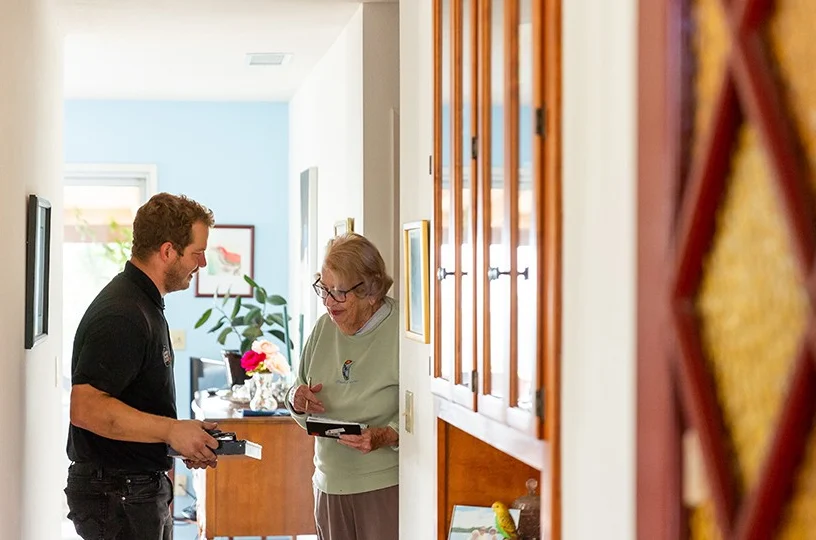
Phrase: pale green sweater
x=366 y=391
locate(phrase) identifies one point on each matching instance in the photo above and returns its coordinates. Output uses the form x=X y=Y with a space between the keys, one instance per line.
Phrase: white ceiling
x=195 y=49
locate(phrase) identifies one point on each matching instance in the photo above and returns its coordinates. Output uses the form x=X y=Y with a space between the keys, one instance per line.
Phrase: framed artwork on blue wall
x=230 y=256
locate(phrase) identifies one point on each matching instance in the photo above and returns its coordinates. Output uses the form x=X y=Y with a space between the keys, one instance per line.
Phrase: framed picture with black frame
x=38 y=265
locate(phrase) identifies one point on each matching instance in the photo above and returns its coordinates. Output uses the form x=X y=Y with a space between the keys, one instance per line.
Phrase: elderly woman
x=349 y=371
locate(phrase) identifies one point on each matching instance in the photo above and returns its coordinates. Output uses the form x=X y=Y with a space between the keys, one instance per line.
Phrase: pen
x=308 y=382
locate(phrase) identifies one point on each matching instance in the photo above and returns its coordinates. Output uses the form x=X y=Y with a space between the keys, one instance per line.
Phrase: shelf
x=516 y=444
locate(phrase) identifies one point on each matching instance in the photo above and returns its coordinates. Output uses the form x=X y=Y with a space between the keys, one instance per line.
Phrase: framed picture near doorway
x=416 y=239
x=230 y=256
x=38 y=266
x=343 y=226
x=308 y=246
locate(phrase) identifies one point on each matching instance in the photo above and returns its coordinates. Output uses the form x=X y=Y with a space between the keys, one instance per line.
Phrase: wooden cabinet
x=497 y=209
x=247 y=497
x=497 y=229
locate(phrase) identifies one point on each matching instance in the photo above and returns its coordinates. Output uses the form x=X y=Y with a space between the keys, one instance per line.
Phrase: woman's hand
x=371 y=439
x=305 y=401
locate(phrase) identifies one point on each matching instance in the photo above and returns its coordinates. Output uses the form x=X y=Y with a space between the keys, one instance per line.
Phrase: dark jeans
x=112 y=504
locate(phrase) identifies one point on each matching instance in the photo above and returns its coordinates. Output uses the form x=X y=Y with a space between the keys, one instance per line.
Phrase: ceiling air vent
x=268 y=59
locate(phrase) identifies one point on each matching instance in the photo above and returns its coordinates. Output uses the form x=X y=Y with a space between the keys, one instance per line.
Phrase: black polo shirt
x=122 y=347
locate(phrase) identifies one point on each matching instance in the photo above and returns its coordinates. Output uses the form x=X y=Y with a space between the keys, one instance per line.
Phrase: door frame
x=659 y=428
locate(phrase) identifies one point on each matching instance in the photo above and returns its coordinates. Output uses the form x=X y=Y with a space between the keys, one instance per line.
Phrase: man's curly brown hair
x=167 y=218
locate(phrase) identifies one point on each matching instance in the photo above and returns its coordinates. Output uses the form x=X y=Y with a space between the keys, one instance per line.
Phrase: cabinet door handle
x=442 y=273
x=493 y=273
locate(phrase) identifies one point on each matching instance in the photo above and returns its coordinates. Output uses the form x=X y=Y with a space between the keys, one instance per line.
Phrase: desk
x=247 y=497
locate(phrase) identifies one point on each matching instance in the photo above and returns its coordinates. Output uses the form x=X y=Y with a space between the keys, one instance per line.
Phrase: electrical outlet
x=178 y=339
x=409 y=411
x=180 y=489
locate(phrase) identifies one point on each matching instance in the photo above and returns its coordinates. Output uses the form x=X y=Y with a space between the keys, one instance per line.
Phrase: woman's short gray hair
x=353 y=258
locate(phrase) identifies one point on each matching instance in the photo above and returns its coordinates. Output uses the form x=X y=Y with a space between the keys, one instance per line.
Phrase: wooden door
x=455 y=99
x=497 y=208
x=726 y=286
x=514 y=266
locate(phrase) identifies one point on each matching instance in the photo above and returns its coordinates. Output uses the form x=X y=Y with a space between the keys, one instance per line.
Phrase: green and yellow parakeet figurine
x=504 y=521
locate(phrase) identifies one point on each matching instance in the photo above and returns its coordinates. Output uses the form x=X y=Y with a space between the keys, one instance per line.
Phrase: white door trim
x=112 y=173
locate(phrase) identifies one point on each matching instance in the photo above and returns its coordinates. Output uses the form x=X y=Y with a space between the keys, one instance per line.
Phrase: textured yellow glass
x=752 y=306
x=703 y=523
x=710 y=44
x=799 y=521
x=793 y=50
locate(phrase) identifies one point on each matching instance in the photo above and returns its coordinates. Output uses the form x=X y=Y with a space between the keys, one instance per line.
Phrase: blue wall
x=231 y=157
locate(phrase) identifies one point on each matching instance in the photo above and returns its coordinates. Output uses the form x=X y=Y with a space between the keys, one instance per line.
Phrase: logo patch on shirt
x=347 y=369
x=168 y=359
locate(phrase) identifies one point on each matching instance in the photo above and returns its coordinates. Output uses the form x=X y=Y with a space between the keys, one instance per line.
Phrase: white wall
x=417 y=450
x=599 y=267
x=326 y=132
x=340 y=122
x=381 y=99
x=32 y=473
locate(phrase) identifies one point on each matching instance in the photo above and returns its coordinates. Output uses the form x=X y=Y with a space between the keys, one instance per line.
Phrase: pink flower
x=251 y=360
x=265 y=347
x=264 y=357
x=276 y=363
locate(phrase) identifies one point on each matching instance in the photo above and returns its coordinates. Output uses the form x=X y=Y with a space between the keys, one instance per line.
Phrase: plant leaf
x=274 y=318
x=279 y=334
x=236 y=308
x=238 y=321
x=222 y=337
x=217 y=326
x=204 y=317
x=253 y=317
x=252 y=332
x=276 y=300
x=260 y=295
x=251 y=281
x=246 y=344
x=225 y=299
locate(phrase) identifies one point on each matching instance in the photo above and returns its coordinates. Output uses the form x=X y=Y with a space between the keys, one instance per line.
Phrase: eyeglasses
x=338 y=295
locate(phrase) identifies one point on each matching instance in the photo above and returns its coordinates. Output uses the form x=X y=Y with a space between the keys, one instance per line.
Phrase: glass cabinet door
x=444 y=253
x=527 y=175
x=495 y=222
x=490 y=297
x=465 y=91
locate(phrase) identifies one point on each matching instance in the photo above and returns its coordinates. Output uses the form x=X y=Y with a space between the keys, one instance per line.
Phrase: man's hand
x=190 y=440
x=305 y=401
x=193 y=464
x=370 y=439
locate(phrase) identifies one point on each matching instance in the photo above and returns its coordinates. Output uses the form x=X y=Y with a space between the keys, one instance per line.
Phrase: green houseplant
x=249 y=320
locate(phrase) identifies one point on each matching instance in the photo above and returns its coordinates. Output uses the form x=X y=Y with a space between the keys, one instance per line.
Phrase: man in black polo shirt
x=123 y=398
